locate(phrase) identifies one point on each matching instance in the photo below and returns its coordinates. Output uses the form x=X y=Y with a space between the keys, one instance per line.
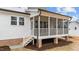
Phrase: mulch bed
x=48 y=45
x=4 y=48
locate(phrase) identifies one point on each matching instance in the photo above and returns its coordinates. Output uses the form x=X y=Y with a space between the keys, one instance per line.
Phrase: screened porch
x=48 y=26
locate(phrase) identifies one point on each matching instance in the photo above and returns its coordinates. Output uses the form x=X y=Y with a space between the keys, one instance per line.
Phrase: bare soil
x=71 y=45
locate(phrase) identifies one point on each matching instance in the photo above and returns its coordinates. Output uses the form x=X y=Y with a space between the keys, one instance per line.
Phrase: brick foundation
x=9 y=42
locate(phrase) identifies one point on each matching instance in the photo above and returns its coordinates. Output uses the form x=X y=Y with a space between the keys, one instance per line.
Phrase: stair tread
x=27 y=40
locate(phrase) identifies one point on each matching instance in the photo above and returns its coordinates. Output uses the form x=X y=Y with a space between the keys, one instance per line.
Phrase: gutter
x=14 y=11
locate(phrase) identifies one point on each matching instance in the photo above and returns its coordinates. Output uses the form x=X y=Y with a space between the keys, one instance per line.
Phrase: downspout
x=68 y=25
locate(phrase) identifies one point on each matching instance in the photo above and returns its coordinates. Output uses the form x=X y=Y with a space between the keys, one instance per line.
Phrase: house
x=74 y=28
x=14 y=25
x=46 y=24
x=40 y=24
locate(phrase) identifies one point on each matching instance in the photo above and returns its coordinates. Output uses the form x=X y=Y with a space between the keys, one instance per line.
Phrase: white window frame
x=13 y=20
x=21 y=21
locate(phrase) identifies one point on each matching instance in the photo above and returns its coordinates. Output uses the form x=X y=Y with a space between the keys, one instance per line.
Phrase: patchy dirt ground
x=71 y=45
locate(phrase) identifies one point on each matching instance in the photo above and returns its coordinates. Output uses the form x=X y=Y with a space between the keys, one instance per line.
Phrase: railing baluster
x=44 y=31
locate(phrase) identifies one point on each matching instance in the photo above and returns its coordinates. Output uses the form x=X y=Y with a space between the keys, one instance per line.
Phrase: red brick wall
x=9 y=42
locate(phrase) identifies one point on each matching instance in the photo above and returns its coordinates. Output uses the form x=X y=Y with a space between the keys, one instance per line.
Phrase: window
x=21 y=21
x=13 y=20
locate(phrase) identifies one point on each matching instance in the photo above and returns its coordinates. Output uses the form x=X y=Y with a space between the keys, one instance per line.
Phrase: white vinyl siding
x=8 y=31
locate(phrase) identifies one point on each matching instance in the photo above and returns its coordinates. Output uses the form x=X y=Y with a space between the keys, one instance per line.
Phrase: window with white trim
x=13 y=20
x=21 y=20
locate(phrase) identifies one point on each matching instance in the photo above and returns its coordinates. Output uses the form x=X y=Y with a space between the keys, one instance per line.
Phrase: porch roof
x=53 y=14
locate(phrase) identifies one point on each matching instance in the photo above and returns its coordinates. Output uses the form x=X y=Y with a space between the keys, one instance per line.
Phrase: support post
x=33 y=42
x=39 y=26
x=39 y=43
x=63 y=26
x=49 y=26
x=56 y=26
x=68 y=30
x=67 y=37
x=33 y=24
x=56 y=40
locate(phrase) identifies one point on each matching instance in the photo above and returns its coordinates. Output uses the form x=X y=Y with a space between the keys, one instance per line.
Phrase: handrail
x=26 y=39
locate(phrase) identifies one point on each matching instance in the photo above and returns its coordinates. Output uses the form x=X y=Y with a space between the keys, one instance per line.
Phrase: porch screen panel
x=43 y=26
x=31 y=20
x=36 y=26
x=65 y=26
x=60 y=26
x=52 y=26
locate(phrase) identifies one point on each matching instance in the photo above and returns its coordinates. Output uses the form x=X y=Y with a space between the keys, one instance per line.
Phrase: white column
x=33 y=24
x=33 y=42
x=56 y=40
x=39 y=41
x=68 y=31
x=56 y=26
x=63 y=26
x=49 y=26
x=39 y=26
x=39 y=45
x=68 y=26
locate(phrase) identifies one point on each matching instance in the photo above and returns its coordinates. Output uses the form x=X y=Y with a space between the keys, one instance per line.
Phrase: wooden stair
x=27 y=40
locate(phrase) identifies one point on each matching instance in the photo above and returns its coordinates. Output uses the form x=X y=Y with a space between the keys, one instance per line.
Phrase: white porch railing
x=65 y=30
x=60 y=30
x=35 y=31
x=44 y=31
x=52 y=31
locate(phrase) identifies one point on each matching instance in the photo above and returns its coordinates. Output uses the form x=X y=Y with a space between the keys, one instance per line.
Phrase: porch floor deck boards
x=51 y=36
